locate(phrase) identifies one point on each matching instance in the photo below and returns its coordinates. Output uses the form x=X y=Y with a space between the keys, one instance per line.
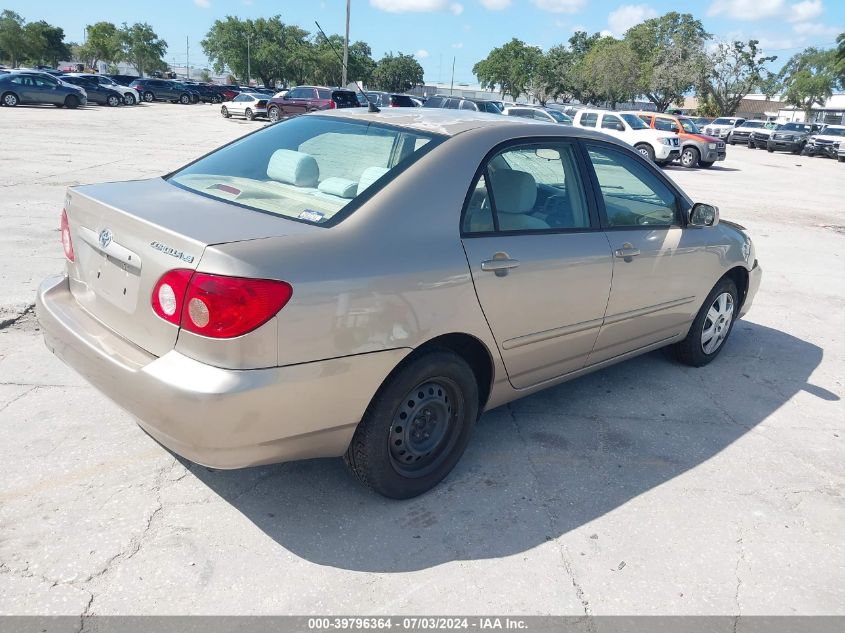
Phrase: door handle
x=500 y=264
x=627 y=251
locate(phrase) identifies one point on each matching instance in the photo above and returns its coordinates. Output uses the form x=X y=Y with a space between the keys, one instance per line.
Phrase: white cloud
x=805 y=11
x=413 y=6
x=816 y=28
x=496 y=5
x=746 y=9
x=629 y=15
x=606 y=33
x=560 y=6
x=456 y=8
x=458 y=45
x=202 y=4
x=421 y=54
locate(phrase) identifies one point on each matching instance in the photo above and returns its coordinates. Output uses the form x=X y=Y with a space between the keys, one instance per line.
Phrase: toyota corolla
x=366 y=284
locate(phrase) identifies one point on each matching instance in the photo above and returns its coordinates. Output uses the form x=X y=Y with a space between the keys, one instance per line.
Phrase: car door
x=540 y=263
x=656 y=267
x=611 y=124
x=25 y=88
x=294 y=101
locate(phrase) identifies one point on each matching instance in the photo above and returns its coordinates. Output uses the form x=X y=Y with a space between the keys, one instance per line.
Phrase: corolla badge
x=169 y=250
x=105 y=238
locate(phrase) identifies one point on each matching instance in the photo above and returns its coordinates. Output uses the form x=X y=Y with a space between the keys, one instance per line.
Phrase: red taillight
x=332 y=105
x=67 y=242
x=218 y=306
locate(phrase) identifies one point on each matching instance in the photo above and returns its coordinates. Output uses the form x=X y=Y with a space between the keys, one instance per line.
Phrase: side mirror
x=703 y=214
x=620 y=127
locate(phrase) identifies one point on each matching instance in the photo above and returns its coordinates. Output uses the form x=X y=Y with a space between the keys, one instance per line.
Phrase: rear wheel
x=711 y=327
x=149 y=97
x=225 y=112
x=129 y=99
x=216 y=99
x=841 y=159
x=71 y=101
x=417 y=427
x=248 y=114
x=690 y=157
x=646 y=150
x=113 y=101
x=10 y=99
x=273 y=114
x=751 y=145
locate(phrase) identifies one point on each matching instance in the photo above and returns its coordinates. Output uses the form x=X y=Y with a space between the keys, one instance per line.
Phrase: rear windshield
x=345 y=98
x=401 y=101
x=724 y=121
x=300 y=168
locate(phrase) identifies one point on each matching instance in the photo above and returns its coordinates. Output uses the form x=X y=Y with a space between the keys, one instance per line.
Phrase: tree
x=839 y=68
x=327 y=61
x=732 y=71
x=611 y=70
x=205 y=76
x=511 y=67
x=104 y=43
x=552 y=77
x=45 y=43
x=12 y=37
x=580 y=45
x=809 y=78
x=143 y=48
x=671 y=53
x=397 y=73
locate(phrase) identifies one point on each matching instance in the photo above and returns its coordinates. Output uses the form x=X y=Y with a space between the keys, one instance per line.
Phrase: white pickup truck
x=659 y=147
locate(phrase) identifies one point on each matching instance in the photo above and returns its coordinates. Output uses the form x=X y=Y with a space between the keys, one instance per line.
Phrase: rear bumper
x=755 y=275
x=217 y=417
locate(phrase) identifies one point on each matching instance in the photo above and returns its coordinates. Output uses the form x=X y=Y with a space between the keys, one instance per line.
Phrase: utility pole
x=346 y=46
x=248 y=66
x=187 y=59
x=452 y=85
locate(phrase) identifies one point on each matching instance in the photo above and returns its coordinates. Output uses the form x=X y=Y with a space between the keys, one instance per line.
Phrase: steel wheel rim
x=274 y=115
x=129 y=99
x=10 y=100
x=717 y=323
x=148 y=97
x=686 y=158
x=113 y=101
x=643 y=151
x=424 y=429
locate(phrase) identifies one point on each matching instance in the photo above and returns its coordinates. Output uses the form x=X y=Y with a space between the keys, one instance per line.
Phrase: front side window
x=292 y=169
x=689 y=126
x=612 y=122
x=468 y=105
x=634 y=121
x=633 y=195
x=665 y=125
x=534 y=187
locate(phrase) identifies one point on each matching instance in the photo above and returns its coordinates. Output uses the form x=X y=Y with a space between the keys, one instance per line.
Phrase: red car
x=304 y=99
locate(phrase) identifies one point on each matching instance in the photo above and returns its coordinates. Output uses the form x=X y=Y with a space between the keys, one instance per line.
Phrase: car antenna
x=372 y=107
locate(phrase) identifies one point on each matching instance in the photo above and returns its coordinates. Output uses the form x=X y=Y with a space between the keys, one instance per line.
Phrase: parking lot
x=648 y=488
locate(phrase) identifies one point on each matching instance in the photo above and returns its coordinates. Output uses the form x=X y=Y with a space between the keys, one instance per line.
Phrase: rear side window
x=589 y=119
x=433 y=102
x=453 y=104
x=468 y=105
x=345 y=98
x=299 y=168
x=401 y=101
x=323 y=94
x=664 y=125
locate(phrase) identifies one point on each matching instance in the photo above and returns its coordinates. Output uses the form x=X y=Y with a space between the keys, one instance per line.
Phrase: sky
x=436 y=31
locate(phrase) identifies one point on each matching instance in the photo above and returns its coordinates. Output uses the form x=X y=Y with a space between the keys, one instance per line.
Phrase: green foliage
x=733 y=69
x=12 y=37
x=45 y=43
x=104 y=43
x=511 y=67
x=839 y=63
x=143 y=48
x=809 y=78
x=611 y=71
x=205 y=75
x=671 y=56
x=397 y=73
x=327 y=61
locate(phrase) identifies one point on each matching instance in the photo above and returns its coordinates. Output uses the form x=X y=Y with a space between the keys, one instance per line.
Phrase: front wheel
x=417 y=426
x=646 y=151
x=249 y=115
x=113 y=101
x=711 y=327
x=71 y=102
x=841 y=159
x=10 y=99
x=216 y=99
x=225 y=112
x=149 y=97
x=129 y=99
x=185 y=99
x=751 y=145
x=690 y=157
x=273 y=114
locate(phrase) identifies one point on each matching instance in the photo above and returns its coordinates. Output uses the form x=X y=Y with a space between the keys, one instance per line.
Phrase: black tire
x=399 y=418
x=770 y=149
x=273 y=114
x=225 y=112
x=798 y=149
x=690 y=157
x=149 y=97
x=707 y=164
x=130 y=99
x=112 y=101
x=841 y=159
x=751 y=145
x=691 y=351
x=10 y=99
x=646 y=150
x=184 y=99
x=59 y=105
x=249 y=115
x=216 y=99
x=71 y=102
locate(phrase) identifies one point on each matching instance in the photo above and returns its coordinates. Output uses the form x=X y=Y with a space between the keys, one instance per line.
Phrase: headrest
x=295 y=168
x=369 y=176
x=341 y=187
x=513 y=191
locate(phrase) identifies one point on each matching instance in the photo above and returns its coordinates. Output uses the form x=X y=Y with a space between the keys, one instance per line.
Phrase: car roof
x=449 y=122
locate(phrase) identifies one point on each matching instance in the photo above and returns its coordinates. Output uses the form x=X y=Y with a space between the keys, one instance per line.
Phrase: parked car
x=390 y=100
x=659 y=147
x=840 y=153
x=246 y=310
x=34 y=87
x=742 y=133
x=191 y=90
x=538 y=114
x=697 y=149
x=759 y=137
x=462 y=103
x=208 y=93
x=163 y=90
x=97 y=93
x=826 y=142
x=304 y=99
x=723 y=126
x=791 y=137
x=247 y=105
x=130 y=97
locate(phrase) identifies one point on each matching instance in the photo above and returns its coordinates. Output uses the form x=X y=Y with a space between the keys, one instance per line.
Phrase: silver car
x=247 y=104
x=366 y=284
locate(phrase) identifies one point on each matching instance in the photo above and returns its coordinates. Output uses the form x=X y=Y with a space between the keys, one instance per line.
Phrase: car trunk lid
x=127 y=235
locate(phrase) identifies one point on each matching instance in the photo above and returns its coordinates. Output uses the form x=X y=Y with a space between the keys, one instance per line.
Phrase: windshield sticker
x=311 y=216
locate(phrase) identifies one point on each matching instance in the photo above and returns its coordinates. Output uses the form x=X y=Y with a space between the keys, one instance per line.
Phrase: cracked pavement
x=648 y=488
